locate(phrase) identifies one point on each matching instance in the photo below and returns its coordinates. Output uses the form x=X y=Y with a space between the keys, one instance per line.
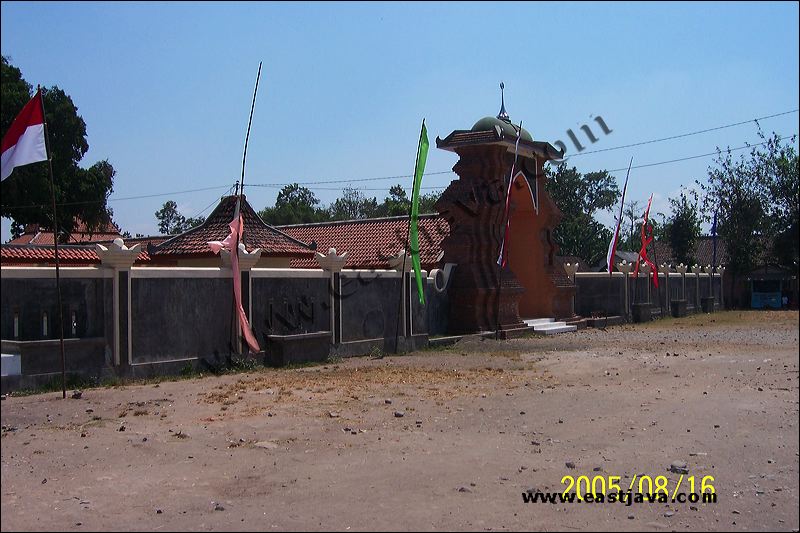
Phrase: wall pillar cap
x=571 y=268
x=682 y=268
x=697 y=269
x=665 y=268
x=246 y=260
x=331 y=262
x=625 y=267
x=396 y=261
x=117 y=255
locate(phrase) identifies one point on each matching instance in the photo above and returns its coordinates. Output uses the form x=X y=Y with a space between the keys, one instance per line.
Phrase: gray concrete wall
x=31 y=298
x=370 y=306
x=178 y=318
x=599 y=295
x=285 y=306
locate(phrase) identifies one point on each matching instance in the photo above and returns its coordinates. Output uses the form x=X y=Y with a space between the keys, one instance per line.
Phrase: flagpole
x=405 y=252
x=613 y=245
x=55 y=242
x=247 y=138
x=240 y=195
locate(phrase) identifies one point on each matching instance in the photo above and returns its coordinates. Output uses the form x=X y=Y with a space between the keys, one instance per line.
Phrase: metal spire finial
x=503 y=115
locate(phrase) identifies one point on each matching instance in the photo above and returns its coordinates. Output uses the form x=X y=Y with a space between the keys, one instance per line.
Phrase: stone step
x=538 y=321
x=553 y=328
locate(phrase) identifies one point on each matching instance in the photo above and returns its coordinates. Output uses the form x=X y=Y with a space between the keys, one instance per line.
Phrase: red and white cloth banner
x=24 y=143
x=231 y=243
x=647 y=238
x=502 y=258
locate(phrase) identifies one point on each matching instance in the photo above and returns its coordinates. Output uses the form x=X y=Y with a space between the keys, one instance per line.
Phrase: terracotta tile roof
x=257 y=234
x=70 y=255
x=703 y=254
x=144 y=241
x=370 y=242
x=35 y=234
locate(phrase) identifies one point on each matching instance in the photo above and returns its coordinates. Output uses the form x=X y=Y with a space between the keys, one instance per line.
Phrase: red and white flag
x=24 y=143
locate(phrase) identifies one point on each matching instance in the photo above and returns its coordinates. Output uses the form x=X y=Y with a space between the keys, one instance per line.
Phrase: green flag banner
x=419 y=169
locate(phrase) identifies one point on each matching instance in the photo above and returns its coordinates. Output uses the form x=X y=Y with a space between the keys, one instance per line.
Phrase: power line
x=683 y=134
x=406 y=176
x=346 y=180
x=117 y=199
x=692 y=157
x=213 y=202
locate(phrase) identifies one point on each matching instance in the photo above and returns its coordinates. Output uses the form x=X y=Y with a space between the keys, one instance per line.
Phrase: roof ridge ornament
x=503 y=115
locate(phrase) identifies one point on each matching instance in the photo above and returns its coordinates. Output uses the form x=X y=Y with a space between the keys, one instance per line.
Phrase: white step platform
x=548 y=326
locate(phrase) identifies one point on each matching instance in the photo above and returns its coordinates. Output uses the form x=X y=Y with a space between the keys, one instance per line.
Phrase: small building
x=190 y=249
x=36 y=235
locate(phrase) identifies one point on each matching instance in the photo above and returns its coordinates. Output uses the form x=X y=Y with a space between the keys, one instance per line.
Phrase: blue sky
x=165 y=88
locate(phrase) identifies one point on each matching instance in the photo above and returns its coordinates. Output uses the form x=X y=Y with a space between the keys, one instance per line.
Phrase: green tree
x=682 y=229
x=353 y=205
x=396 y=204
x=427 y=201
x=777 y=163
x=630 y=229
x=399 y=204
x=580 y=197
x=81 y=193
x=294 y=205
x=171 y=222
x=756 y=200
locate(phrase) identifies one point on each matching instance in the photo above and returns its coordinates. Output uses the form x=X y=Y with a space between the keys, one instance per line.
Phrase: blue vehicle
x=766 y=293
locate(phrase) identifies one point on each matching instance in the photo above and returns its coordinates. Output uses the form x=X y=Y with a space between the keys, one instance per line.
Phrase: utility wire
x=361 y=180
x=683 y=134
x=694 y=156
x=118 y=199
x=347 y=180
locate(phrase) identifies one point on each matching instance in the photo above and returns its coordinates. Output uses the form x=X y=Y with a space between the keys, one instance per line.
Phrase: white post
x=697 y=270
x=625 y=268
x=571 y=271
x=720 y=271
x=333 y=264
x=120 y=258
x=681 y=269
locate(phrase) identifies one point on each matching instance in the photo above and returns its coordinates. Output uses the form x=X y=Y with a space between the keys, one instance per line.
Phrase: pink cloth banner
x=231 y=243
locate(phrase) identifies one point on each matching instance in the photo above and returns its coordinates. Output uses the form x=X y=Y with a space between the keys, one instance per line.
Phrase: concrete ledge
x=604 y=322
x=36 y=381
x=82 y=356
x=452 y=339
x=678 y=308
x=641 y=312
x=281 y=350
x=385 y=346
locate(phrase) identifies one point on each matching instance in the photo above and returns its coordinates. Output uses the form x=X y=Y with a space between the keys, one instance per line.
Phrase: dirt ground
x=446 y=439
